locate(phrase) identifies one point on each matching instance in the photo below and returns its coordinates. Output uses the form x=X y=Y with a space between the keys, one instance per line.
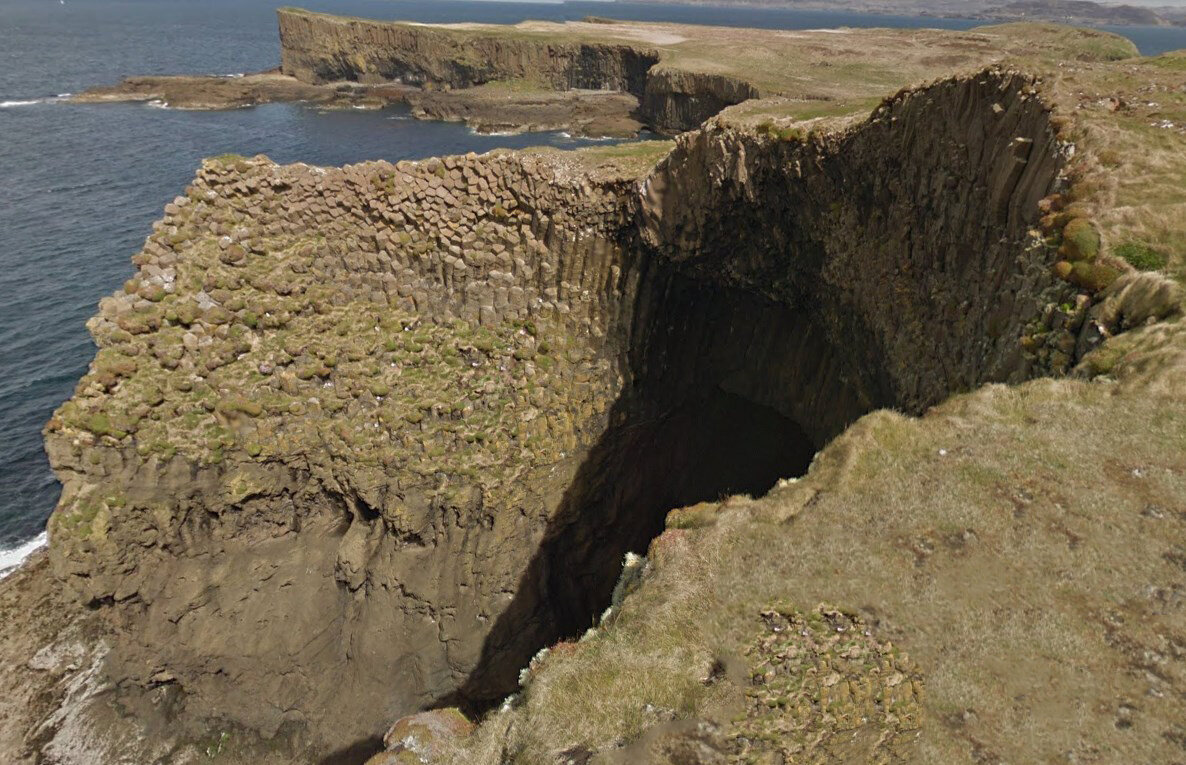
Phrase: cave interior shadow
x=679 y=434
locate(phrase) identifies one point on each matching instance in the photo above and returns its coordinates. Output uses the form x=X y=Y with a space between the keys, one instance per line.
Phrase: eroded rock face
x=322 y=48
x=381 y=432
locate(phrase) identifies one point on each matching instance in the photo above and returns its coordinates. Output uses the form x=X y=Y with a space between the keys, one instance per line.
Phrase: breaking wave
x=12 y=558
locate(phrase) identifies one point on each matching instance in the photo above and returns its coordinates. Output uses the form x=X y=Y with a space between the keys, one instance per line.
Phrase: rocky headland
x=235 y=91
x=876 y=392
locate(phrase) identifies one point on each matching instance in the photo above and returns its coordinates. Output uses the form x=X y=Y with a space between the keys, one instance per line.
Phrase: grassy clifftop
x=681 y=74
x=831 y=65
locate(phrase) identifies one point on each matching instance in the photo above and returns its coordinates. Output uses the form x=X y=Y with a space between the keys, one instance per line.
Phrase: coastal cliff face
x=673 y=101
x=316 y=48
x=382 y=432
x=327 y=424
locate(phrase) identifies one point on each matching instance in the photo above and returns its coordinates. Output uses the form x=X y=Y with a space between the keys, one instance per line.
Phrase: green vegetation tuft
x=1080 y=240
x=1141 y=256
x=785 y=134
x=1092 y=276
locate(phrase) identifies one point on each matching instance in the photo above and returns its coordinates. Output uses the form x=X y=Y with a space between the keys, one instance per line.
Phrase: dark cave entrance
x=710 y=411
x=715 y=445
x=706 y=417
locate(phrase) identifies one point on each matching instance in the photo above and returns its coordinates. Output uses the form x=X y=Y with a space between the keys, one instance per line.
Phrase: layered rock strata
x=381 y=432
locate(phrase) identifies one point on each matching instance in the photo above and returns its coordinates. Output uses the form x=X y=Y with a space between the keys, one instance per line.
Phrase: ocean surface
x=81 y=185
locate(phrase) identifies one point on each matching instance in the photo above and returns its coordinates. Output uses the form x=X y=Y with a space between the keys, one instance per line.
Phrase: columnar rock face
x=871 y=234
x=379 y=433
x=328 y=421
x=675 y=100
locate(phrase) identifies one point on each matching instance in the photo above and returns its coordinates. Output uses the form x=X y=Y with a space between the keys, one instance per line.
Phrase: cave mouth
x=705 y=416
x=660 y=455
x=712 y=409
x=710 y=446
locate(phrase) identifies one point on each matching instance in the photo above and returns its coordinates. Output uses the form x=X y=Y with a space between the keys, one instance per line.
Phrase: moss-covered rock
x=1093 y=276
x=1080 y=240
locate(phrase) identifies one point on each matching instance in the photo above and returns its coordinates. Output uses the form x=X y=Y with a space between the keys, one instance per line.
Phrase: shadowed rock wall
x=378 y=433
x=674 y=100
x=910 y=231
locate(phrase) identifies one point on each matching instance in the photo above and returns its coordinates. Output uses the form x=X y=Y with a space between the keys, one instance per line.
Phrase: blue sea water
x=81 y=184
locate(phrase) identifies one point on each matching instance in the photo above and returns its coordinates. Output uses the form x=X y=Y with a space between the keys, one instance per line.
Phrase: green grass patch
x=1141 y=256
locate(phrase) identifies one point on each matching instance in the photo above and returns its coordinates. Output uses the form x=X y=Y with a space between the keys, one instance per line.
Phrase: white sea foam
x=475 y=131
x=34 y=101
x=10 y=559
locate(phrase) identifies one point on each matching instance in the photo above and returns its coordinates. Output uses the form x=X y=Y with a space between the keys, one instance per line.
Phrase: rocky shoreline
x=492 y=109
x=487 y=109
x=527 y=85
x=212 y=92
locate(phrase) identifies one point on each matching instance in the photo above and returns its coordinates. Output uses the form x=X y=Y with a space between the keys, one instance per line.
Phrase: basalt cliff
x=320 y=49
x=359 y=442
x=614 y=83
